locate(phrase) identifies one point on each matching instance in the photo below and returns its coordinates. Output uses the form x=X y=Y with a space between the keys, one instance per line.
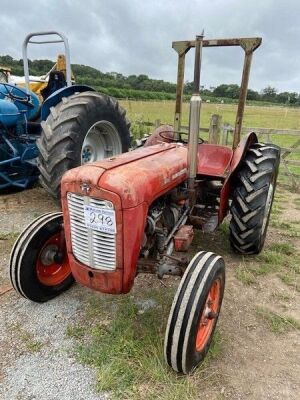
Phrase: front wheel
x=194 y=313
x=39 y=266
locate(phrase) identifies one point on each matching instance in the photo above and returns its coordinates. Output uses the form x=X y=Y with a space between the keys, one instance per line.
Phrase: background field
x=143 y=113
x=255 y=116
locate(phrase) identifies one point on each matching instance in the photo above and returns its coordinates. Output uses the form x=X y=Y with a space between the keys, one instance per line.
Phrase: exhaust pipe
x=194 y=122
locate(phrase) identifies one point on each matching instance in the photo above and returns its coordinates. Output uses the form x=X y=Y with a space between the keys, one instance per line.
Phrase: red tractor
x=136 y=212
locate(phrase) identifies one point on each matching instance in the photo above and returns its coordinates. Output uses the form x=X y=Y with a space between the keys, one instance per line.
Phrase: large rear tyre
x=194 y=313
x=252 y=198
x=84 y=127
x=39 y=266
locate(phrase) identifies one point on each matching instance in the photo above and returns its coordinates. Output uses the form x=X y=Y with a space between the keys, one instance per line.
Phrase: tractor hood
x=136 y=177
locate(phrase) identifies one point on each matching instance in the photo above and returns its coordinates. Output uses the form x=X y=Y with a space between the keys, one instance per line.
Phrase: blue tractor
x=71 y=126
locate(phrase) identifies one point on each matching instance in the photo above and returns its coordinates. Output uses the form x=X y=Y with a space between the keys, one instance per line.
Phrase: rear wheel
x=39 y=266
x=194 y=313
x=82 y=128
x=252 y=198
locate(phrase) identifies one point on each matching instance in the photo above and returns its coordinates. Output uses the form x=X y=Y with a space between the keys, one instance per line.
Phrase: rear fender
x=57 y=96
x=227 y=188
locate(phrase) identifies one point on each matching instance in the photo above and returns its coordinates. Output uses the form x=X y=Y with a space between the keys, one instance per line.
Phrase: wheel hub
x=52 y=264
x=101 y=141
x=209 y=314
x=48 y=254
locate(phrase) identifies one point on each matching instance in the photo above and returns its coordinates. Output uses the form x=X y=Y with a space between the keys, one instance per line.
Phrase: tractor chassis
x=146 y=204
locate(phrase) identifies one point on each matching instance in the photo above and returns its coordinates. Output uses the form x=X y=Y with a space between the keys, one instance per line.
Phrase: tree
x=231 y=91
x=253 y=95
x=269 y=93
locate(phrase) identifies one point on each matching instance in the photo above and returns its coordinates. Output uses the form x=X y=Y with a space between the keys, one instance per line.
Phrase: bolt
x=212 y=315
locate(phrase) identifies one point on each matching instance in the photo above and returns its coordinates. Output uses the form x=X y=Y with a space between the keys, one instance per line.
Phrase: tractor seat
x=56 y=81
x=214 y=160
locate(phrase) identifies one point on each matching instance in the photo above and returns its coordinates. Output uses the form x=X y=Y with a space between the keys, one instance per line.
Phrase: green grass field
x=273 y=117
x=255 y=116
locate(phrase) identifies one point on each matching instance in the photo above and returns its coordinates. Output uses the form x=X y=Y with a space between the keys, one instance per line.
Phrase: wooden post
x=214 y=129
x=157 y=123
x=224 y=134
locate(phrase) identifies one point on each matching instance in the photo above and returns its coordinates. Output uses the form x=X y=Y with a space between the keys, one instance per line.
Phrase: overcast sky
x=135 y=36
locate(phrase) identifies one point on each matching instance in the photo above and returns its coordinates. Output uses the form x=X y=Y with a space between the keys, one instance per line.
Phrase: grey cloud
x=134 y=37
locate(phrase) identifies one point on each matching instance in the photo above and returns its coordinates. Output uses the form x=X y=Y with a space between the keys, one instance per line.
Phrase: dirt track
x=255 y=362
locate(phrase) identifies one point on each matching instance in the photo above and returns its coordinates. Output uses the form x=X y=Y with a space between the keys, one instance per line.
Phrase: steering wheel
x=23 y=98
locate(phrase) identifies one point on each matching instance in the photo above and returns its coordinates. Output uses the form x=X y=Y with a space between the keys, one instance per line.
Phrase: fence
x=288 y=140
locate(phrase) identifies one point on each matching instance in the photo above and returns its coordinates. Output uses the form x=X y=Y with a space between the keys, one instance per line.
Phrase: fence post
x=224 y=134
x=214 y=129
x=157 y=123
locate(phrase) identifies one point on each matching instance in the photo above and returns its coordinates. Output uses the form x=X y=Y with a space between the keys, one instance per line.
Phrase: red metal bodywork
x=183 y=238
x=132 y=181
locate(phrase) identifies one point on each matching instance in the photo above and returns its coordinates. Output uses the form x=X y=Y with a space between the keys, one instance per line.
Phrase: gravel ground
x=37 y=363
x=35 y=352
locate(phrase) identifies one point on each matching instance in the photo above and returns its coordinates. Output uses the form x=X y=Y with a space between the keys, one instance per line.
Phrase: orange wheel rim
x=50 y=272
x=209 y=314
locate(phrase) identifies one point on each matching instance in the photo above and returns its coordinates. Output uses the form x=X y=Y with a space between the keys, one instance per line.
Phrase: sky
x=135 y=36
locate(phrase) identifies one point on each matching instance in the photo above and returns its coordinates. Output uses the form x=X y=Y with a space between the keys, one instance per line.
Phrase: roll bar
x=61 y=39
x=249 y=45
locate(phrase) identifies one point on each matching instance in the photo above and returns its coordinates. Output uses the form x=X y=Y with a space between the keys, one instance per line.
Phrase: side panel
x=235 y=162
x=134 y=221
x=57 y=96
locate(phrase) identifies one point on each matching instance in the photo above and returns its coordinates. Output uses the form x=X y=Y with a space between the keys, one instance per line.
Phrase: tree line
x=143 y=87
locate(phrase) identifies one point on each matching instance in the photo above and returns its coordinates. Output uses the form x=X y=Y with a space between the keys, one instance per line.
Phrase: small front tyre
x=194 y=313
x=39 y=266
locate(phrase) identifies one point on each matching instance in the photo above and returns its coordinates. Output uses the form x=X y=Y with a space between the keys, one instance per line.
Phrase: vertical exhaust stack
x=194 y=122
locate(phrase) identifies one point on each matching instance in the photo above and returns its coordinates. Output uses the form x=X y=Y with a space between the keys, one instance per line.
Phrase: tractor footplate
x=204 y=218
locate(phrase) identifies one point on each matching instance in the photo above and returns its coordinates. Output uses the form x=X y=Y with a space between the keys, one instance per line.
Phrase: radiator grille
x=90 y=247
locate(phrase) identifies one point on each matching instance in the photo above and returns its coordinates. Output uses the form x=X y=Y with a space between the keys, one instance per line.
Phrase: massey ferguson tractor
x=136 y=212
x=66 y=126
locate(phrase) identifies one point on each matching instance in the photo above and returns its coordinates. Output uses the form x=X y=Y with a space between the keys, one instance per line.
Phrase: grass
x=274 y=117
x=245 y=275
x=9 y=236
x=278 y=296
x=290 y=229
x=144 y=113
x=282 y=248
x=255 y=116
x=279 y=258
x=31 y=344
x=125 y=345
x=277 y=323
x=297 y=203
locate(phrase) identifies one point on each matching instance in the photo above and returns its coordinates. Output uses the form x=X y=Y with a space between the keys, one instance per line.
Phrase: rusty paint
x=164 y=133
x=132 y=181
x=183 y=238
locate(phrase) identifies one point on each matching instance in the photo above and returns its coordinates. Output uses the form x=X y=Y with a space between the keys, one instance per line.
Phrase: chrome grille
x=90 y=247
